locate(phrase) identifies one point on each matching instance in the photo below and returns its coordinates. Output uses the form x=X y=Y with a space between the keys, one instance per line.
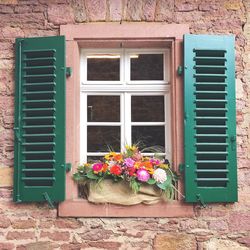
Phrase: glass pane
x=103 y=108
x=148 y=136
x=146 y=67
x=103 y=138
x=103 y=67
x=147 y=108
x=91 y=159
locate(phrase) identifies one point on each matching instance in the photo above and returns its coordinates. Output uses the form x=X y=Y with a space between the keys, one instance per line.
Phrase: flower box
x=127 y=178
x=120 y=193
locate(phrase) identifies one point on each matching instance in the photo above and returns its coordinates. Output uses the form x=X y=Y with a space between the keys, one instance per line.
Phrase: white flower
x=160 y=175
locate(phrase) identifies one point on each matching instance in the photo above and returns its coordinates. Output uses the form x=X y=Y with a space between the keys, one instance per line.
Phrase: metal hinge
x=47 y=198
x=200 y=200
x=179 y=70
x=181 y=167
x=68 y=71
x=17 y=134
x=67 y=167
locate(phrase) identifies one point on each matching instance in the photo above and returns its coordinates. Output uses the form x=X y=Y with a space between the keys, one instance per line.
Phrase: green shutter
x=39 y=164
x=209 y=119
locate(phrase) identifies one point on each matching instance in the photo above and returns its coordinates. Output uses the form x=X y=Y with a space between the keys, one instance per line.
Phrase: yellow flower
x=132 y=148
x=110 y=155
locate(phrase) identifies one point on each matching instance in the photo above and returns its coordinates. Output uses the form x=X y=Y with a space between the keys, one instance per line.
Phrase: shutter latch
x=200 y=200
x=67 y=167
x=47 y=198
x=68 y=71
x=179 y=70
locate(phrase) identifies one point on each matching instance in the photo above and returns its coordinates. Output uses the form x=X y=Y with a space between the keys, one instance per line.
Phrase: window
x=125 y=99
x=209 y=78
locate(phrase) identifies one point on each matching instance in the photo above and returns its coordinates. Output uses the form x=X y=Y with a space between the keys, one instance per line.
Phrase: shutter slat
x=38 y=152
x=40 y=119
x=209 y=126
x=39 y=76
x=38 y=170
x=211 y=170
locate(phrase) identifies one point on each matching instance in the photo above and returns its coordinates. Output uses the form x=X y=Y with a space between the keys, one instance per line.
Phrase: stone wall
x=37 y=227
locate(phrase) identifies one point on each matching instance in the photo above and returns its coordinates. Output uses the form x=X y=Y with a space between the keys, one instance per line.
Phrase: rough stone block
x=115 y=10
x=4 y=222
x=96 y=9
x=149 y=10
x=23 y=224
x=174 y=241
x=67 y=223
x=60 y=14
x=220 y=244
x=55 y=236
x=8 y=2
x=6 y=177
x=79 y=10
x=134 y=10
x=239 y=221
x=20 y=235
x=164 y=10
x=6 y=246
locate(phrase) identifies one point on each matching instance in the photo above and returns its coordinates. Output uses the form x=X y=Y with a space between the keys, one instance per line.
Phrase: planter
x=120 y=193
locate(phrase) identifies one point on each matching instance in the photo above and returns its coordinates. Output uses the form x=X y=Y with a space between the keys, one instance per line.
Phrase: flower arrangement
x=132 y=167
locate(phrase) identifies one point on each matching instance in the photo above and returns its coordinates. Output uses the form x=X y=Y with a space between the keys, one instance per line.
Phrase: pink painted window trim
x=101 y=35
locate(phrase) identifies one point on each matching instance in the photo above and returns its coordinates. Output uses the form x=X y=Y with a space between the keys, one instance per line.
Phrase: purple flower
x=143 y=175
x=129 y=162
x=155 y=161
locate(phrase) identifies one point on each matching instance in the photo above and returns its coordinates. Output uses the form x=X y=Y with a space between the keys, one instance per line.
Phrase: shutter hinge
x=181 y=167
x=179 y=70
x=17 y=134
x=200 y=200
x=68 y=71
x=67 y=167
x=47 y=198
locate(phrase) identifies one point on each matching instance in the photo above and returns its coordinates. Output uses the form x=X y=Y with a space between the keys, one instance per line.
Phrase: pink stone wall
x=37 y=227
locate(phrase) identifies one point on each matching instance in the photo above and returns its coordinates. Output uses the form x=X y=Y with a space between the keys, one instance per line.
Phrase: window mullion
x=127 y=118
x=83 y=130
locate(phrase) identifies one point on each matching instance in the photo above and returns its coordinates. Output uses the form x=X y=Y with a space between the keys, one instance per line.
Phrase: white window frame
x=125 y=88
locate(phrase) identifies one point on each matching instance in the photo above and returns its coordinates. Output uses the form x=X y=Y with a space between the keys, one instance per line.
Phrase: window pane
x=103 y=138
x=91 y=159
x=103 y=67
x=147 y=108
x=103 y=108
x=146 y=67
x=149 y=136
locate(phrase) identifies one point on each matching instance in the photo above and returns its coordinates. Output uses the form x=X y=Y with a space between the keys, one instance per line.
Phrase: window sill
x=83 y=208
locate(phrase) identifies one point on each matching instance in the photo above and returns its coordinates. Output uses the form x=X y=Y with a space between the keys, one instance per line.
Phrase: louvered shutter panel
x=210 y=119
x=39 y=172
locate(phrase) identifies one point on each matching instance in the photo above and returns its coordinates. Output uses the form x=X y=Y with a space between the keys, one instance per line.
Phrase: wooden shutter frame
x=56 y=192
x=192 y=191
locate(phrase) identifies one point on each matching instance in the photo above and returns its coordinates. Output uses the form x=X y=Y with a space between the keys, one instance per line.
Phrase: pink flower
x=143 y=175
x=160 y=175
x=97 y=167
x=129 y=162
x=137 y=156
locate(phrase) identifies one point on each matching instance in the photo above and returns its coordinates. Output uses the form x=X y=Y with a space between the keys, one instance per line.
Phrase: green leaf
x=135 y=186
x=151 y=181
x=92 y=176
x=165 y=184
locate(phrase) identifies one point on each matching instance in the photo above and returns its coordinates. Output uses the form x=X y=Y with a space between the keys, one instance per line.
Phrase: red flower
x=131 y=171
x=116 y=170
